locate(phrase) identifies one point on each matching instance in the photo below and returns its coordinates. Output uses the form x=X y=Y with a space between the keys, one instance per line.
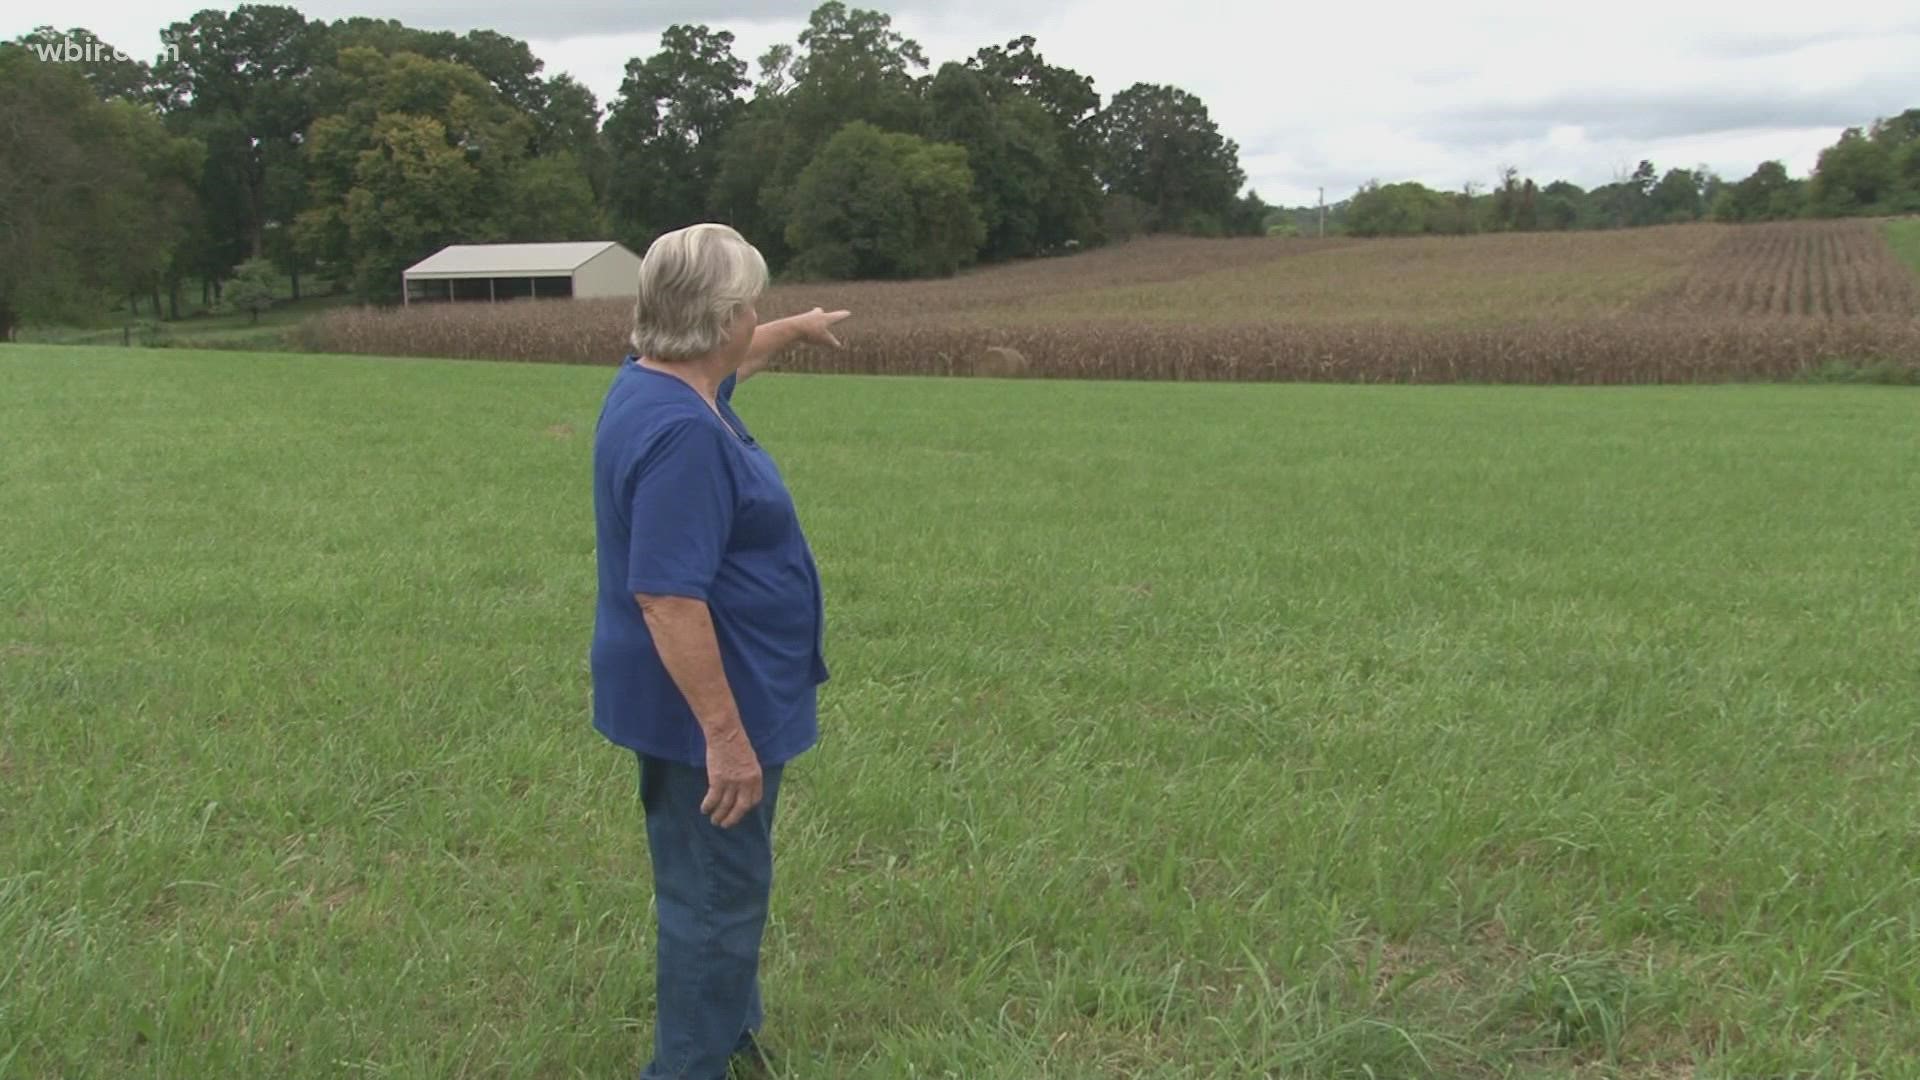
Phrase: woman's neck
x=703 y=373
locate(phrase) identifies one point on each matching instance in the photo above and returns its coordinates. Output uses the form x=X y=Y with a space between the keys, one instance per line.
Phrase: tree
x=563 y=115
x=1677 y=197
x=414 y=191
x=42 y=274
x=506 y=63
x=1069 y=100
x=251 y=289
x=548 y=199
x=1906 y=165
x=1248 y=216
x=746 y=192
x=776 y=71
x=1161 y=147
x=961 y=112
x=146 y=216
x=884 y=204
x=87 y=190
x=387 y=36
x=1711 y=185
x=1505 y=210
x=1644 y=178
x=1894 y=132
x=851 y=65
x=1027 y=191
x=1527 y=215
x=666 y=130
x=1066 y=95
x=1406 y=209
x=110 y=72
x=284 y=168
x=241 y=83
x=567 y=122
x=425 y=153
x=1854 y=175
x=1767 y=195
x=1463 y=211
x=1626 y=202
x=1561 y=205
x=1515 y=205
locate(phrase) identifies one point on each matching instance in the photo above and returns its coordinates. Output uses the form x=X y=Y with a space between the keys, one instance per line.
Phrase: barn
x=584 y=269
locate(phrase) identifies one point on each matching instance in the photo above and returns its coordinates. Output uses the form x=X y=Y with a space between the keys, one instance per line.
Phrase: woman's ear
x=745 y=321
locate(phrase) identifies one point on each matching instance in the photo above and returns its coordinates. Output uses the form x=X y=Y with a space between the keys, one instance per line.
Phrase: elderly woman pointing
x=707 y=642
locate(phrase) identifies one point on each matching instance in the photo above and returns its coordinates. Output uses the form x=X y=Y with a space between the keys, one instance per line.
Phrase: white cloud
x=1324 y=95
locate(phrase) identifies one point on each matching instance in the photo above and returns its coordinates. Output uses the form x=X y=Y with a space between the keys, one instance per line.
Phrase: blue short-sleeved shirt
x=683 y=506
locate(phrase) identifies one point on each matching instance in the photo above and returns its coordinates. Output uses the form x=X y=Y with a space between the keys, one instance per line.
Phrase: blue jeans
x=711 y=887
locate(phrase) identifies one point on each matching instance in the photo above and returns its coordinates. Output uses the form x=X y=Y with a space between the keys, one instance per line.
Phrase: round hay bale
x=1000 y=362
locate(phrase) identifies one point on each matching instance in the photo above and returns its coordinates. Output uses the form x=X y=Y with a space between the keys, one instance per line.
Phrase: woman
x=707 y=643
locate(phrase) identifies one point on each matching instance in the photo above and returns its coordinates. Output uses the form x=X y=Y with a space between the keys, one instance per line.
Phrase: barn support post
x=490 y=297
x=406 y=291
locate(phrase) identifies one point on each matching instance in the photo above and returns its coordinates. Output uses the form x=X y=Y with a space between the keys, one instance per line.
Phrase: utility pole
x=1323 y=213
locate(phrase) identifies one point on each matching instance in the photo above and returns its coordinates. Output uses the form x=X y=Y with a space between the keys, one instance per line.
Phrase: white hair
x=693 y=283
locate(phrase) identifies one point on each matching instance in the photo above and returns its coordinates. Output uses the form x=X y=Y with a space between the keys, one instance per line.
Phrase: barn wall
x=613 y=272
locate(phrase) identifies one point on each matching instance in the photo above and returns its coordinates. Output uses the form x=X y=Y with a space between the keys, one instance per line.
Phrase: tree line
x=1870 y=171
x=263 y=144
x=347 y=150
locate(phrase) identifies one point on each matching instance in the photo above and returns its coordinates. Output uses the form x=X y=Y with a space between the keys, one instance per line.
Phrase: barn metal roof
x=507 y=260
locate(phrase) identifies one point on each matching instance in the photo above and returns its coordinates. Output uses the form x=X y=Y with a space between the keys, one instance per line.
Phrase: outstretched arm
x=814 y=328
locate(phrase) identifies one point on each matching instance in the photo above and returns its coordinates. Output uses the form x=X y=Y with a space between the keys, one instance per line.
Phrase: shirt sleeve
x=683 y=502
x=726 y=387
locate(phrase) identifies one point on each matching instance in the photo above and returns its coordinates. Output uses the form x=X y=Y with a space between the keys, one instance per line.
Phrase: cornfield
x=1823 y=270
x=1679 y=304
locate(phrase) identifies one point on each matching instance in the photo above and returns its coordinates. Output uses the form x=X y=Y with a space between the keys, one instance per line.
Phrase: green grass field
x=201 y=329
x=1176 y=731
x=1904 y=237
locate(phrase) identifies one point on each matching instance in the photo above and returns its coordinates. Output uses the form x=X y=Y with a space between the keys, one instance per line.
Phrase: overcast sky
x=1329 y=96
